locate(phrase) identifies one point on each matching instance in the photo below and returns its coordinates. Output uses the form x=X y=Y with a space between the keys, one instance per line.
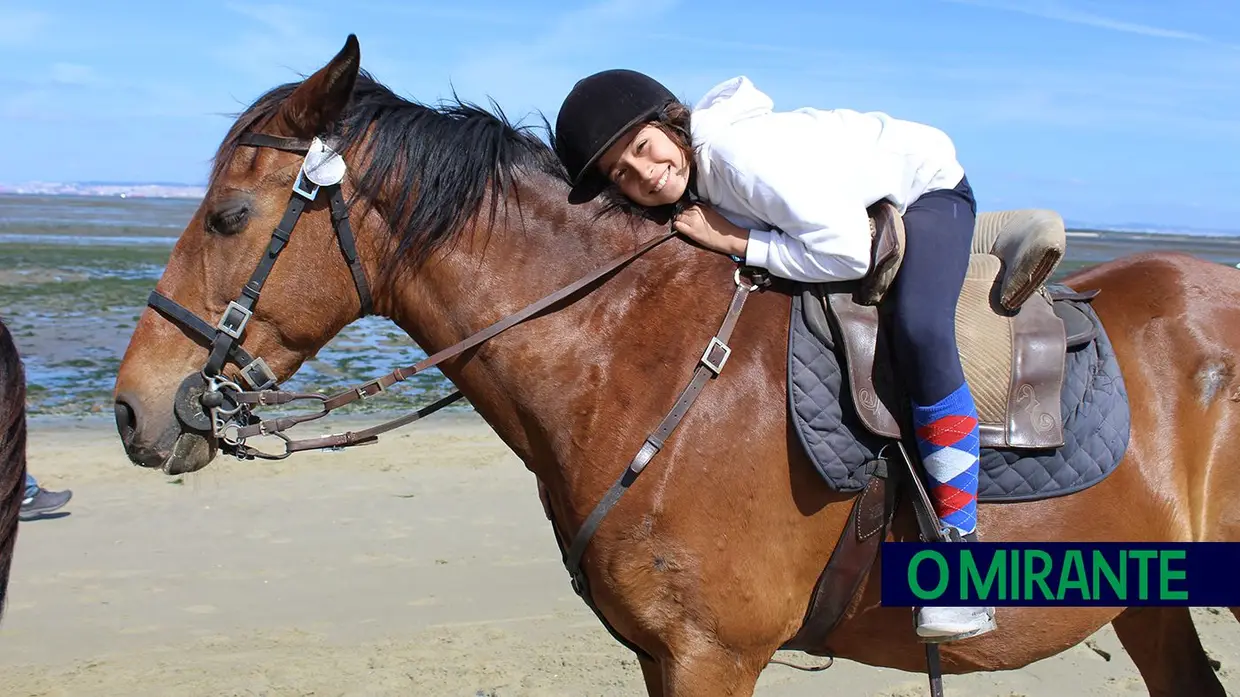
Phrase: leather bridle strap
x=240 y=310
x=266 y=140
x=348 y=247
x=192 y=322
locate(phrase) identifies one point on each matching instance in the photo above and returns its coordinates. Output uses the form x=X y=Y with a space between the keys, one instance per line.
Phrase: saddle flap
x=874 y=392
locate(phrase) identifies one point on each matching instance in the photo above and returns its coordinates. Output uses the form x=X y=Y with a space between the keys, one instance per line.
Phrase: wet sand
x=419 y=566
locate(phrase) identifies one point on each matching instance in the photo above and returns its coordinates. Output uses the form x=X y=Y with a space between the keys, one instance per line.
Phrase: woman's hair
x=673 y=119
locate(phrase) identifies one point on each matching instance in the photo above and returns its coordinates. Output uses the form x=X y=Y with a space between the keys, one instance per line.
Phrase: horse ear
x=320 y=99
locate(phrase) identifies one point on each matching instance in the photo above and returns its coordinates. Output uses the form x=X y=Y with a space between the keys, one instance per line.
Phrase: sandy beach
x=419 y=566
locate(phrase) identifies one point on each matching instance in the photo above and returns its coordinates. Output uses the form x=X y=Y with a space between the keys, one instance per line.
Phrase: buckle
x=304 y=187
x=578 y=583
x=365 y=390
x=736 y=276
x=230 y=326
x=715 y=342
x=258 y=375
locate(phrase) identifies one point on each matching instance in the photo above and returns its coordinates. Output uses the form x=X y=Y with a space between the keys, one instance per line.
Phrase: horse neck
x=527 y=381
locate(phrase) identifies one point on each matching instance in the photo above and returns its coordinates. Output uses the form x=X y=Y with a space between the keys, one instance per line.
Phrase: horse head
x=224 y=259
x=278 y=258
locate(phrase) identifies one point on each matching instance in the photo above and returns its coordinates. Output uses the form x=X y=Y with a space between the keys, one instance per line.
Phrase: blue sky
x=1109 y=111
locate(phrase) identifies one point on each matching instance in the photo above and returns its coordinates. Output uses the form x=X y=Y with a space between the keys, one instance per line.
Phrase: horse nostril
x=126 y=423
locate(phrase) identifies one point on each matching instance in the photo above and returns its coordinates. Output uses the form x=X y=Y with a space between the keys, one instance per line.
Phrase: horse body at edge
x=12 y=454
x=709 y=562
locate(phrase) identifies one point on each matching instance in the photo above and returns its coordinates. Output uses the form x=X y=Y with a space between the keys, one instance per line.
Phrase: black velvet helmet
x=599 y=109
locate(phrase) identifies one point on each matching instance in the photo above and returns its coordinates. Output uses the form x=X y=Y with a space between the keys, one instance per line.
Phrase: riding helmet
x=595 y=114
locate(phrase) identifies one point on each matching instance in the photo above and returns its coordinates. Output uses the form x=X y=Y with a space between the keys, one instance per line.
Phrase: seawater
x=75 y=273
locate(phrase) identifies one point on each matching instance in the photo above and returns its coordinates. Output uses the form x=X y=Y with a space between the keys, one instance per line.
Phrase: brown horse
x=12 y=453
x=709 y=562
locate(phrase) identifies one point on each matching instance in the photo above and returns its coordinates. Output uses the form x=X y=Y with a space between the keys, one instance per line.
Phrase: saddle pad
x=1093 y=402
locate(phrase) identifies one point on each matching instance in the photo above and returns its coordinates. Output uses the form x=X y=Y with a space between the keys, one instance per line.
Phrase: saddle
x=1011 y=334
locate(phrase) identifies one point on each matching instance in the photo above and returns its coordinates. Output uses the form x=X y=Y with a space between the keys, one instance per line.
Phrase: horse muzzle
x=176 y=446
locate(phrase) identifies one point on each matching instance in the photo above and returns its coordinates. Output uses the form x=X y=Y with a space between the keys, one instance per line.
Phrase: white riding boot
x=942 y=624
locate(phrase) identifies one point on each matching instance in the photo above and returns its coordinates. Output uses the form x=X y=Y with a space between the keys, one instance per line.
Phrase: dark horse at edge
x=12 y=453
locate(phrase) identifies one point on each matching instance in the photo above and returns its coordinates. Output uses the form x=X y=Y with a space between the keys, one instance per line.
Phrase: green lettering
x=1015 y=592
x=1073 y=562
x=1166 y=574
x=915 y=586
x=1144 y=556
x=969 y=574
x=1038 y=577
x=1118 y=584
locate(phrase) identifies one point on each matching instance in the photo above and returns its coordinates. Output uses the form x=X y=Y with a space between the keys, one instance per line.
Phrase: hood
x=729 y=102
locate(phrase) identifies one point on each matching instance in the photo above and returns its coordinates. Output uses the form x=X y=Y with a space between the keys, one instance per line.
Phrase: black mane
x=450 y=155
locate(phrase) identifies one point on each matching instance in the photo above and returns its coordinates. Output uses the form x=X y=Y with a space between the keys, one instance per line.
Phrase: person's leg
x=39 y=501
x=938 y=235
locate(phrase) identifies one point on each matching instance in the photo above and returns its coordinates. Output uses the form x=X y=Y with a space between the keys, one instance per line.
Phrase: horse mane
x=12 y=453
x=452 y=155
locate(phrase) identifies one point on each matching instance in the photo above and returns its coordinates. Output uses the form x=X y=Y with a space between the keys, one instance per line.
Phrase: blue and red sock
x=948 y=441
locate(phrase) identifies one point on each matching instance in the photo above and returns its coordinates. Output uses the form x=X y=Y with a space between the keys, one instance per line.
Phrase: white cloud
x=74 y=74
x=1056 y=11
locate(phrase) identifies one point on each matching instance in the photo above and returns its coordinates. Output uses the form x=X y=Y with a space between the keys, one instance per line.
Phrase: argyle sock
x=947 y=439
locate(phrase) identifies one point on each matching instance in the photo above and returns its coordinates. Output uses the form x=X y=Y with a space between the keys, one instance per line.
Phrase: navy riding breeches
x=938 y=229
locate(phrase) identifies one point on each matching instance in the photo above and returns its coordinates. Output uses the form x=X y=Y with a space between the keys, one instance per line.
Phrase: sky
x=1111 y=112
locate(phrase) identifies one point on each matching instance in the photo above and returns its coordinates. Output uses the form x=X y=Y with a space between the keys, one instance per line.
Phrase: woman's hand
x=713 y=231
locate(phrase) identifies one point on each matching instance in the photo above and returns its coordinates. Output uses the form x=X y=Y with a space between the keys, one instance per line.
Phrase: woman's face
x=650 y=169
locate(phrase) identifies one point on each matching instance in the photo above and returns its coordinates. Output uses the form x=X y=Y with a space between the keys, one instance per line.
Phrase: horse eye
x=228 y=219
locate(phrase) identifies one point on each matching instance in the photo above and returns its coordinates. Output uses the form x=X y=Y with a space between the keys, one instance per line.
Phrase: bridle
x=208 y=402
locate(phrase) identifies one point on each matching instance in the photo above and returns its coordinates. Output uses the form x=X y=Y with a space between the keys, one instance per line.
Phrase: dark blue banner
x=1108 y=574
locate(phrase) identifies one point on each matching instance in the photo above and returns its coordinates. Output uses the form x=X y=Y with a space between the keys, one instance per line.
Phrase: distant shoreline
x=109 y=191
x=186 y=192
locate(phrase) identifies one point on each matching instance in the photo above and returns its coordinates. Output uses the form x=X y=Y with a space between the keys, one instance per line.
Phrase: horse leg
x=713 y=672
x=1164 y=645
x=653 y=675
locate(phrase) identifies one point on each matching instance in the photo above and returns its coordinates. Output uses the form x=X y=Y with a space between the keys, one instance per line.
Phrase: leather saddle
x=1011 y=331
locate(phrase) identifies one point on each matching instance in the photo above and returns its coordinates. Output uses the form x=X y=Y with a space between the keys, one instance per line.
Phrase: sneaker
x=42 y=503
x=942 y=624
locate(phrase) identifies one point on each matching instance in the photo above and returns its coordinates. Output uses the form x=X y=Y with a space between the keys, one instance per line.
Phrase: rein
x=208 y=401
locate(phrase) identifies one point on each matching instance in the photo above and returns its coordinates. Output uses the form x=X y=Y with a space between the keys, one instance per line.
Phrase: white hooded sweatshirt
x=801 y=181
